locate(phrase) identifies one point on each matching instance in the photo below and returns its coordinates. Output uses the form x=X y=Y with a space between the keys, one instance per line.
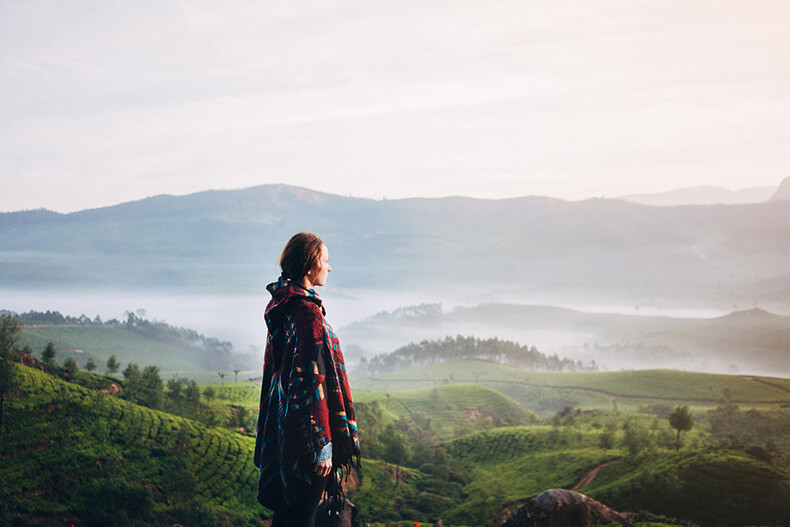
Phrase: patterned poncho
x=305 y=397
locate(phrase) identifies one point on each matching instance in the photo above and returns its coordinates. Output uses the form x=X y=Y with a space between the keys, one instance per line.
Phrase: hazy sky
x=103 y=102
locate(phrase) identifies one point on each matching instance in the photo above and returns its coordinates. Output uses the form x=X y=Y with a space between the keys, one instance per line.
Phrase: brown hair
x=299 y=255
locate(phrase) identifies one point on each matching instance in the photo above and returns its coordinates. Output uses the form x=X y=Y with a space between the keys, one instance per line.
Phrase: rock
x=565 y=508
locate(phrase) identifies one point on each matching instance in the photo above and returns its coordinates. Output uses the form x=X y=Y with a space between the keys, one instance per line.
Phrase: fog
x=238 y=319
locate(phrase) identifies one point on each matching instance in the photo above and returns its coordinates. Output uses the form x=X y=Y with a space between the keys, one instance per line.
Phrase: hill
x=216 y=241
x=752 y=340
x=705 y=195
x=725 y=488
x=451 y=410
x=549 y=392
x=73 y=455
x=174 y=350
x=783 y=192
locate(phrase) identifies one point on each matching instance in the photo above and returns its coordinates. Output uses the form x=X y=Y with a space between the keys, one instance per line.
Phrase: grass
x=548 y=392
x=453 y=410
x=710 y=487
x=70 y=454
x=99 y=342
x=64 y=445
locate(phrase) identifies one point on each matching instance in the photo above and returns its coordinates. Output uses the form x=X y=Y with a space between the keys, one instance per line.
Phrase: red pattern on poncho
x=305 y=396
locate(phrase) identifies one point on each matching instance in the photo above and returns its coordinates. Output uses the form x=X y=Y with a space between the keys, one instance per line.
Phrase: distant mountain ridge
x=704 y=195
x=229 y=240
x=783 y=192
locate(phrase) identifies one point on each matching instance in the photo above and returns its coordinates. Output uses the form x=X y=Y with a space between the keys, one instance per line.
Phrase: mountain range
x=229 y=240
x=704 y=195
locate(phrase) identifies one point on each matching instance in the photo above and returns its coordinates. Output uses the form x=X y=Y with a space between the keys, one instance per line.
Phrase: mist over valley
x=633 y=286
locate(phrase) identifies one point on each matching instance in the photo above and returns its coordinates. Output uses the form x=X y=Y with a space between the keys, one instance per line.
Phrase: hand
x=323 y=468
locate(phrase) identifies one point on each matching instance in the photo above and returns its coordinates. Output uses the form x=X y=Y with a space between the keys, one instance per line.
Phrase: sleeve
x=325 y=454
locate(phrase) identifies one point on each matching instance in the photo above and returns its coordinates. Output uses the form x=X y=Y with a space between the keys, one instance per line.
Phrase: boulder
x=565 y=508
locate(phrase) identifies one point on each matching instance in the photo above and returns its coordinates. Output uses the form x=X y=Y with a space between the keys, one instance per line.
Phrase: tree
x=209 y=393
x=396 y=449
x=606 y=439
x=725 y=421
x=681 y=420
x=221 y=378
x=90 y=365
x=634 y=438
x=192 y=393
x=112 y=364
x=132 y=373
x=8 y=380
x=237 y=375
x=70 y=365
x=48 y=355
x=151 y=387
x=131 y=389
x=9 y=332
x=175 y=385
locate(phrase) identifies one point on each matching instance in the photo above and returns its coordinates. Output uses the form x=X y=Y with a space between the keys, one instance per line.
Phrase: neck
x=306 y=283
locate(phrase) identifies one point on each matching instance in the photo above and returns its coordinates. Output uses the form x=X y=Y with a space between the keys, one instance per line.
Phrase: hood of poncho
x=283 y=292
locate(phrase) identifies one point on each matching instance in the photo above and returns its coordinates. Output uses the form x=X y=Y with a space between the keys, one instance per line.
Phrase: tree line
x=470 y=348
x=143 y=386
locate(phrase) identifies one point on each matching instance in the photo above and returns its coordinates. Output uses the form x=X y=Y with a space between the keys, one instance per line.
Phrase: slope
x=73 y=455
x=549 y=392
x=452 y=410
x=724 y=488
x=202 y=242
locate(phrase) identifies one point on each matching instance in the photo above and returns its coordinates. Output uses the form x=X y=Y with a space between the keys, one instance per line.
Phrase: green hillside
x=453 y=410
x=511 y=464
x=753 y=339
x=176 y=351
x=709 y=487
x=73 y=455
x=723 y=488
x=99 y=342
x=549 y=392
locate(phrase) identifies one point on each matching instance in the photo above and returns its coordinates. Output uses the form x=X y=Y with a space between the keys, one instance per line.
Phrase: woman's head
x=305 y=258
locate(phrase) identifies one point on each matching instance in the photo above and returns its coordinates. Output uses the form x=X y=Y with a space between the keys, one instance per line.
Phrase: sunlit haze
x=106 y=102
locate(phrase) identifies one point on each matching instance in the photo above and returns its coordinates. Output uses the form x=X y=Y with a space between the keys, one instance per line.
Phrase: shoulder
x=307 y=311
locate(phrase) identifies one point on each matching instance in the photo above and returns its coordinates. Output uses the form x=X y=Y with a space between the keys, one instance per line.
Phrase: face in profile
x=320 y=270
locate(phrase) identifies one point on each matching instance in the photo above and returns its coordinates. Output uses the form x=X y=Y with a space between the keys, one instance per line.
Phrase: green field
x=99 y=342
x=508 y=465
x=72 y=455
x=452 y=410
x=548 y=392
x=170 y=352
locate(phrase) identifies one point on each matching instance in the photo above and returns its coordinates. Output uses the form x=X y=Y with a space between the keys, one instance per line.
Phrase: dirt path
x=589 y=476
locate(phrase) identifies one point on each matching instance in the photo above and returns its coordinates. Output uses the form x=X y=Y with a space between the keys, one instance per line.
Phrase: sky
x=103 y=102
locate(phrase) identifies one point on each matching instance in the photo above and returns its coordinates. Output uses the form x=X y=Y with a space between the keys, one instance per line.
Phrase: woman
x=306 y=424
